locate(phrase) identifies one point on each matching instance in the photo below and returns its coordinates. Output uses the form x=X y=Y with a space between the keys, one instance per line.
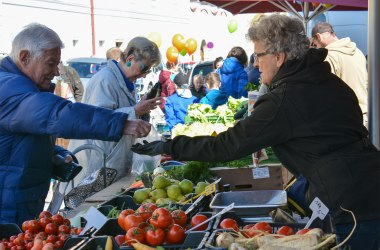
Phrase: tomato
x=33 y=226
x=179 y=217
x=66 y=222
x=132 y=220
x=146 y=210
x=57 y=219
x=263 y=226
x=285 y=230
x=155 y=236
x=175 y=235
x=45 y=214
x=229 y=224
x=25 y=225
x=122 y=215
x=249 y=231
x=303 y=231
x=198 y=219
x=51 y=228
x=43 y=222
x=63 y=229
x=161 y=218
x=58 y=244
x=135 y=233
x=29 y=237
x=41 y=235
x=19 y=241
x=51 y=238
x=120 y=239
x=62 y=237
x=29 y=245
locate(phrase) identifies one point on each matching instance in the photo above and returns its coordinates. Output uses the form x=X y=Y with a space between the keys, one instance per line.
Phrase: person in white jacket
x=113 y=88
x=346 y=61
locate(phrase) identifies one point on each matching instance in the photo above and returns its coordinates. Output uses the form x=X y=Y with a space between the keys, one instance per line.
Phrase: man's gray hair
x=36 y=38
x=280 y=33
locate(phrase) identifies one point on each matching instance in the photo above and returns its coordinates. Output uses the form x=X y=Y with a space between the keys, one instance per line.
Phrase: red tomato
x=58 y=244
x=29 y=245
x=43 y=222
x=25 y=225
x=19 y=241
x=57 y=219
x=179 y=217
x=29 y=237
x=285 y=230
x=33 y=226
x=63 y=229
x=155 y=236
x=263 y=226
x=249 y=231
x=120 y=239
x=133 y=234
x=51 y=228
x=175 y=235
x=41 y=235
x=229 y=224
x=132 y=220
x=51 y=238
x=122 y=215
x=62 y=237
x=161 y=218
x=197 y=219
x=303 y=231
x=146 y=210
x=66 y=222
x=45 y=214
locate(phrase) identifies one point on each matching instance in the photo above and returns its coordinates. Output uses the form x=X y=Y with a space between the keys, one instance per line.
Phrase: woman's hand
x=145 y=106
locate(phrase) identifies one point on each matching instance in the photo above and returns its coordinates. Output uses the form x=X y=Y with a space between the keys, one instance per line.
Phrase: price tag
x=319 y=211
x=260 y=173
x=209 y=189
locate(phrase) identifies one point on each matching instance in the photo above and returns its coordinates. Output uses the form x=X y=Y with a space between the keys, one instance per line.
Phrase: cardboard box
x=268 y=177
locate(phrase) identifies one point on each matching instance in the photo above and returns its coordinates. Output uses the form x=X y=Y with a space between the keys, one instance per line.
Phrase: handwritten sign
x=319 y=211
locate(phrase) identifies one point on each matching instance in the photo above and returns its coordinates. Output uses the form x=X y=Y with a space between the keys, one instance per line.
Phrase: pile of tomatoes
x=156 y=226
x=259 y=228
x=49 y=228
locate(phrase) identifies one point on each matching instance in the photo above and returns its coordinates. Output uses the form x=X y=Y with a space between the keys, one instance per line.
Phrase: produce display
x=263 y=236
x=47 y=232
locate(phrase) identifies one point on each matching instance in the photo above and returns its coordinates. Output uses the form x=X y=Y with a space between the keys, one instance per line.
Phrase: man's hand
x=149 y=148
x=138 y=128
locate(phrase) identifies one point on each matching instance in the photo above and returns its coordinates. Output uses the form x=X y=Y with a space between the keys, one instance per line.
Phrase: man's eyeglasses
x=144 y=68
x=256 y=56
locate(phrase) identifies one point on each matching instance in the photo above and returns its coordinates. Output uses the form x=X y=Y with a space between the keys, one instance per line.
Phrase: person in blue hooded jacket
x=214 y=97
x=232 y=74
x=31 y=117
x=176 y=105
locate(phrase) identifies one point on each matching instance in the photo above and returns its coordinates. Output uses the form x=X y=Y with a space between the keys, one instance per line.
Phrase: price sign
x=319 y=211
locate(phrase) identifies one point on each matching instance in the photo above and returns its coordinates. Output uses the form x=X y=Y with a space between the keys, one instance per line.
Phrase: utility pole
x=92 y=27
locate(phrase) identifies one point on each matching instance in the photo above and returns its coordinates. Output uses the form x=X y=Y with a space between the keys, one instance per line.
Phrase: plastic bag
x=146 y=163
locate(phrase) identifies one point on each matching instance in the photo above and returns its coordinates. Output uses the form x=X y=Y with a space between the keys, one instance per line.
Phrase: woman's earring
x=128 y=64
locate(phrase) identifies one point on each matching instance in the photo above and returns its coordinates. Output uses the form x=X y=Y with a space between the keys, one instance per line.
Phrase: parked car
x=201 y=68
x=87 y=67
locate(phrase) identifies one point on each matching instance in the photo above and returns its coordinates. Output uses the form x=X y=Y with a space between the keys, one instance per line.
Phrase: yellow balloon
x=172 y=54
x=191 y=46
x=178 y=41
x=156 y=38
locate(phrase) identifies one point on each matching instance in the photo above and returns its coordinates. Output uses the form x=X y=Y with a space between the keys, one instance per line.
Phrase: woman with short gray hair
x=314 y=124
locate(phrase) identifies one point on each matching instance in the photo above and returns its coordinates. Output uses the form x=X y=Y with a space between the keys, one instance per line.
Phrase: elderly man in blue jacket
x=31 y=117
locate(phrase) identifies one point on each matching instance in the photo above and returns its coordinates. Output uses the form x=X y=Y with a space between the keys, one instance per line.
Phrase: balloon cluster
x=180 y=47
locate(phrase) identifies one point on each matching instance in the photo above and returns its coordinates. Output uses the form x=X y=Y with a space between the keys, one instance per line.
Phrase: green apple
x=158 y=194
x=186 y=186
x=200 y=187
x=174 y=191
x=161 y=182
x=140 y=195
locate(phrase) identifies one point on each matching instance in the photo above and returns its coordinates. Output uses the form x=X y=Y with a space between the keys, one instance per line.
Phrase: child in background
x=214 y=96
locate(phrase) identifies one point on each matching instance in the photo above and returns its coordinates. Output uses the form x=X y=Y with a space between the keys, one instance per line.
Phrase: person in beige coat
x=346 y=61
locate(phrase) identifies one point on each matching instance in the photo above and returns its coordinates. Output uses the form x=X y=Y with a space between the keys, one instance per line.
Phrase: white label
x=260 y=173
x=319 y=211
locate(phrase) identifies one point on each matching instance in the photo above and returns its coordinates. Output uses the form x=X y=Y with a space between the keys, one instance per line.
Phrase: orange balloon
x=191 y=46
x=178 y=41
x=172 y=54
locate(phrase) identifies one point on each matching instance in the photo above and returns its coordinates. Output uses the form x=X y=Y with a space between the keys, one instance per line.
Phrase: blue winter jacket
x=233 y=78
x=29 y=121
x=214 y=98
x=176 y=107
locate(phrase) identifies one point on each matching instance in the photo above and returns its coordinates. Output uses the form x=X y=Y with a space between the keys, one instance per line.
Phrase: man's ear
x=280 y=59
x=24 y=57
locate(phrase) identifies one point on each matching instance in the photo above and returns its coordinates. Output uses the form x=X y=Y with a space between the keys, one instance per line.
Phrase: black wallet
x=63 y=171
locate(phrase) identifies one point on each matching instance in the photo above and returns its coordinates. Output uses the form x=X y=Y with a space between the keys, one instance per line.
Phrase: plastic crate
x=98 y=243
x=74 y=242
x=194 y=240
x=9 y=229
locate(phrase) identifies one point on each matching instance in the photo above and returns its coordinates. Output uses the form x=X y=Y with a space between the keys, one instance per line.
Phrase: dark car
x=201 y=68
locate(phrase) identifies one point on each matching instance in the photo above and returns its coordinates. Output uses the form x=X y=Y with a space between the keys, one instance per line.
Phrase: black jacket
x=313 y=122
